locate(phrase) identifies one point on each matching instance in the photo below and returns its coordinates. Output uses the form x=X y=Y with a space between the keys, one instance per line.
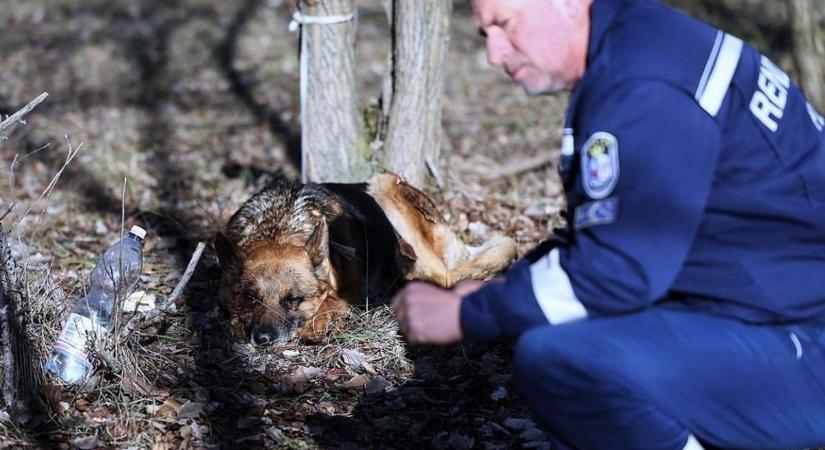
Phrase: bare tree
x=809 y=47
x=334 y=146
x=330 y=121
x=413 y=122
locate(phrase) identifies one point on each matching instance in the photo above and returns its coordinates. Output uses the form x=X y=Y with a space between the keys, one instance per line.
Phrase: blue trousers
x=647 y=380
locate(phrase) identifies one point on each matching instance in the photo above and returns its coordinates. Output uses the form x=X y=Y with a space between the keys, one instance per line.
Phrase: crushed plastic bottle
x=113 y=277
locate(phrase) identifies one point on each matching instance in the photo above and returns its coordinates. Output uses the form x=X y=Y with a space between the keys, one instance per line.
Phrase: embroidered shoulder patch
x=600 y=212
x=600 y=165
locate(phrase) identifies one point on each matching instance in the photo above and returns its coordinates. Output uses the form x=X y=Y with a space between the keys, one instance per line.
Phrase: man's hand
x=428 y=314
x=466 y=287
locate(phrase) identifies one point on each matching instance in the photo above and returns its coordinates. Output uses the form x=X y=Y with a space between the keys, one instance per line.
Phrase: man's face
x=541 y=44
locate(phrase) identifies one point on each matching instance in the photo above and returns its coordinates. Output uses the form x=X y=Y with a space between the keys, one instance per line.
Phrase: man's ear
x=227 y=254
x=318 y=244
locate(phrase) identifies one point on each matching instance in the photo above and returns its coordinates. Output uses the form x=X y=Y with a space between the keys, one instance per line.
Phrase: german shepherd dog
x=294 y=257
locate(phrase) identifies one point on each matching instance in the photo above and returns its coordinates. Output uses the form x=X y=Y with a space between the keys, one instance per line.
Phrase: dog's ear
x=227 y=255
x=318 y=244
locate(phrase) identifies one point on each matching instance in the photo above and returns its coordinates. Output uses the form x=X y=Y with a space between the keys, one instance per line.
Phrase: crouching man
x=684 y=303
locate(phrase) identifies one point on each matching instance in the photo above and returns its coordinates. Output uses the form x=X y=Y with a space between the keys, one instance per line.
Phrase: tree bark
x=420 y=47
x=21 y=371
x=809 y=48
x=332 y=147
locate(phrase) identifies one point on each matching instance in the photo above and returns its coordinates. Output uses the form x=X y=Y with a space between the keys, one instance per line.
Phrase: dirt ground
x=180 y=110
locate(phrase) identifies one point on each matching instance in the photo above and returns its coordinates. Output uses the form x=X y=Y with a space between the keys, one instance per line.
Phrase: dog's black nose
x=262 y=335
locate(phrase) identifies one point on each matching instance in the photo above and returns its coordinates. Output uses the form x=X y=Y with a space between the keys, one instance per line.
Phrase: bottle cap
x=138 y=231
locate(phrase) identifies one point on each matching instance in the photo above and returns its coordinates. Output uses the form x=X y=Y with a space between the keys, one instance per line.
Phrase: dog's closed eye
x=289 y=302
x=252 y=296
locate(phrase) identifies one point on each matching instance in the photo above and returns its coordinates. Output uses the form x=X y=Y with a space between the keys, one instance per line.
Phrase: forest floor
x=194 y=104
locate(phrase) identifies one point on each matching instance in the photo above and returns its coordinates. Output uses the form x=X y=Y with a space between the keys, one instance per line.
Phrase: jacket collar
x=602 y=13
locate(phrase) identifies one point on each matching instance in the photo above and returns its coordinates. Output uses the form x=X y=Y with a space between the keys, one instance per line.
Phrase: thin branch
x=8 y=211
x=522 y=166
x=11 y=176
x=18 y=116
x=184 y=280
x=17 y=158
x=116 y=313
x=46 y=192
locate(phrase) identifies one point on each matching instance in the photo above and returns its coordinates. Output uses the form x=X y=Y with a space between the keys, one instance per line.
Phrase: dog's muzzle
x=266 y=333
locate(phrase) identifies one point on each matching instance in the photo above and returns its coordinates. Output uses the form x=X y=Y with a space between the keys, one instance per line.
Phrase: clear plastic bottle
x=117 y=271
x=111 y=280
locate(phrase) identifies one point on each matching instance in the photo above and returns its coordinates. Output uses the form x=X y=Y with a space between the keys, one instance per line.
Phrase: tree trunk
x=332 y=147
x=420 y=46
x=809 y=48
x=21 y=370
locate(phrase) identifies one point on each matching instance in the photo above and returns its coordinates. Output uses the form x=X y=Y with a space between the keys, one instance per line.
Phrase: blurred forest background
x=195 y=104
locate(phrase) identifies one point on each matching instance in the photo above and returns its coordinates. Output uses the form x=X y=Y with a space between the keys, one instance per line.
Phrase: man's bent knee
x=541 y=359
x=566 y=360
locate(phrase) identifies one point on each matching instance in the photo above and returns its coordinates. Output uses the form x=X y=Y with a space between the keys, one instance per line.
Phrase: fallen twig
x=524 y=165
x=8 y=211
x=18 y=116
x=184 y=279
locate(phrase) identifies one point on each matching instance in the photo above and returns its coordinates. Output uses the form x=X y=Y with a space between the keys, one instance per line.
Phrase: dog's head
x=276 y=291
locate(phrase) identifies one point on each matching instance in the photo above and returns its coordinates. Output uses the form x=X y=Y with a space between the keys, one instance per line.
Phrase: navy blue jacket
x=694 y=171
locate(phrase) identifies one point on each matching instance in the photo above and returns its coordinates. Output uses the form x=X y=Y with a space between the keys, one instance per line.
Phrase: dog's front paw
x=326 y=320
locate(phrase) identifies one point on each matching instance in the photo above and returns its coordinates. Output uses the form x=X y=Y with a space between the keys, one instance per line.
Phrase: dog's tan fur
x=295 y=257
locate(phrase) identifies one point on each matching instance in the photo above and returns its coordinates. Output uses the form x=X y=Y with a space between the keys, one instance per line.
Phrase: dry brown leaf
x=81 y=404
x=169 y=409
x=356 y=382
x=53 y=395
x=335 y=373
x=296 y=381
x=118 y=431
x=164 y=442
x=368 y=367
